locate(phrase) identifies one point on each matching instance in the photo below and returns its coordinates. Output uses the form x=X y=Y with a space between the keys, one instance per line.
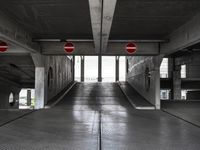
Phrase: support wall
x=144 y=75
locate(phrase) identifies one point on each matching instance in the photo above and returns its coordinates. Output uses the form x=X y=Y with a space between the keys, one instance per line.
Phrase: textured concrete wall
x=192 y=62
x=144 y=75
x=61 y=74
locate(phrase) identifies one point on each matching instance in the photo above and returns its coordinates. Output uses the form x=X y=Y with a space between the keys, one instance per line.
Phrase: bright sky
x=108 y=68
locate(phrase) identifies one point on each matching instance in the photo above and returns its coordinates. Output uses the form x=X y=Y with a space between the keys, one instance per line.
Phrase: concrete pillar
x=127 y=66
x=170 y=67
x=157 y=87
x=16 y=98
x=82 y=68
x=73 y=68
x=177 y=83
x=99 y=68
x=28 y=97
x=117 y=68
x=40 y=89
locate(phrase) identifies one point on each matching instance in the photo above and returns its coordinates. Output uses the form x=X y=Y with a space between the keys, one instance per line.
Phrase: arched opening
x=11 y=99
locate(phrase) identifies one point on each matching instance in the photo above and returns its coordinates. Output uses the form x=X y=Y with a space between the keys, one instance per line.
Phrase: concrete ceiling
x=133 y=19
x=194 y=49
x=51 y=18
x=151 y=19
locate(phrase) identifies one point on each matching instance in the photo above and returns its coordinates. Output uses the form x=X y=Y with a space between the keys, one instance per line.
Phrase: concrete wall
x=192 y=62
x=5 y=90
x=144 y=75
x=60 y=77
x=192 y=80
x=193 y=95
x=61 y=74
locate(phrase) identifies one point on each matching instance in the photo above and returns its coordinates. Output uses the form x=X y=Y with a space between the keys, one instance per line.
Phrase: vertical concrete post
x=16 y=98
x=170 y=67
x=40 y=88
x=158 y=61
x=157 y=87
x=28 y=97
x=99 y=68
x=177 y=83
x=127 y=65
x=117 y=68
x=73 y=68
x=82 y=68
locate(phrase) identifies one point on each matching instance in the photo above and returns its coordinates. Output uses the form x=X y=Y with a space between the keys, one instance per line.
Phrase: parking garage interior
x=100 y=95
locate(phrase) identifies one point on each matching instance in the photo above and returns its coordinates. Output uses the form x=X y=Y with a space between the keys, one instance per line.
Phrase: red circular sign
x=69 y=47
x=131 y=48
x=3 y=46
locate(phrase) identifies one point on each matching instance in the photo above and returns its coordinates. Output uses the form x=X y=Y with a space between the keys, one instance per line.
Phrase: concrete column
x=99 y=68
x=157 y=87
x=16 y=99
x=127 y=66
x=170 y=67
x=82 y=68
x=39 y=87
x=28 y=97
x=73 y=67
x=177 y=83
x=117 y=68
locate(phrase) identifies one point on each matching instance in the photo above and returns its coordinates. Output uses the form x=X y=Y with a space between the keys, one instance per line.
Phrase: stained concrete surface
x=186 y=110
x=144 y=76
x=134 y=97
x=97 y=115
x=12 y=114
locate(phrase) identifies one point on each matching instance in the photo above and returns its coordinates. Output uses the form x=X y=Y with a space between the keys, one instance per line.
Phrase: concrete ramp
x=136 y=100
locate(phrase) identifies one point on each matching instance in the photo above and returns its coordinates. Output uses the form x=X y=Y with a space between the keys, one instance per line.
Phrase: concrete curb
x=130 y=101
x=61 y=97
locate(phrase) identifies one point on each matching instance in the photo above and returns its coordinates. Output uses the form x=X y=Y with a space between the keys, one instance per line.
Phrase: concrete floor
x=186 y=110
x=97 y=116
x=10 y=115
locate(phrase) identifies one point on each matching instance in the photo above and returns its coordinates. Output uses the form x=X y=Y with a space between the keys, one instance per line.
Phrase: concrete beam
x=87 y=48
x=142 y=49
x=95 y=14
x=12 y=33
x=38 y=60
x=185 y=36
x=57 y=48
x=107 y=19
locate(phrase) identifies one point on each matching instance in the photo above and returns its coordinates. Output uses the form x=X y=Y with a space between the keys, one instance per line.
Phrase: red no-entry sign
x=131 y=48
x=69 y=47
x=3 y=46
